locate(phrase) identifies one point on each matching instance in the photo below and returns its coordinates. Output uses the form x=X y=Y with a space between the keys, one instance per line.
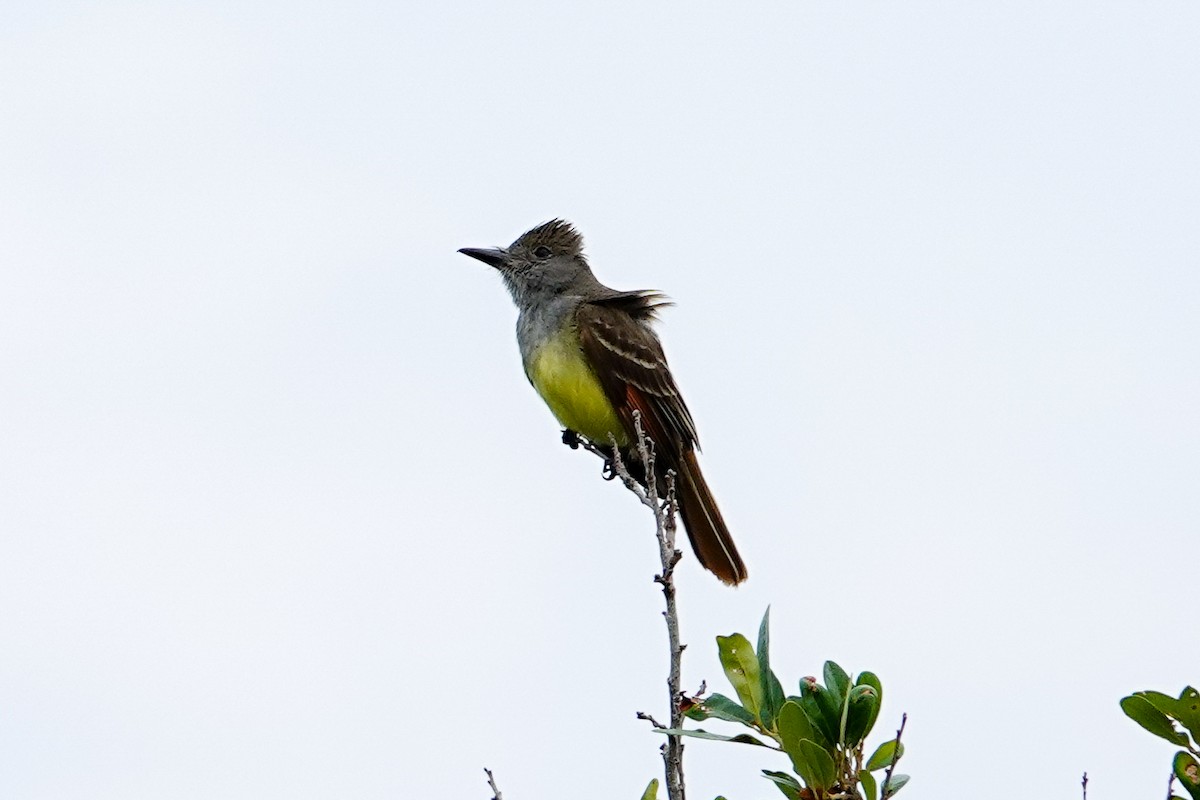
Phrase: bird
x=592 y=355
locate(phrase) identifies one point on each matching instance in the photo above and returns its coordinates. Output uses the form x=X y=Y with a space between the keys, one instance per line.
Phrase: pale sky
x=280 y=516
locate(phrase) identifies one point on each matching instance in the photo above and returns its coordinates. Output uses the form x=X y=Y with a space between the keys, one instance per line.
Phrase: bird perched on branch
x=592 y=355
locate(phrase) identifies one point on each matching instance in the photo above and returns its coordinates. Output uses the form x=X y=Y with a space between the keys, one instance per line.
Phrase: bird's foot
x=609 y=470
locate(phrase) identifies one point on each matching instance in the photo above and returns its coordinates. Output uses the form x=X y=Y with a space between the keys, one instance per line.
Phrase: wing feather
x=629 y=360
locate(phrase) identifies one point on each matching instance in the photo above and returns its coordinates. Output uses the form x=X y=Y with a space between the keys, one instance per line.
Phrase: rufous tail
x=705 y=527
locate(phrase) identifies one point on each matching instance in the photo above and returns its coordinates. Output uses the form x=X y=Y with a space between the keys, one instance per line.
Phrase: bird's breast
x=559 y=371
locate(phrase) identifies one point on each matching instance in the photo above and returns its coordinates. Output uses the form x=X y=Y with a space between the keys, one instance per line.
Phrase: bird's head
x=548 y=258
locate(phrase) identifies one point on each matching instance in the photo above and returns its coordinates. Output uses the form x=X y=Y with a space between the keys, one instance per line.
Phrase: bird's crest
x=559 y=235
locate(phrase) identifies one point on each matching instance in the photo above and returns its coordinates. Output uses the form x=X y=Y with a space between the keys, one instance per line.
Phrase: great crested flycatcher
x=591 y=354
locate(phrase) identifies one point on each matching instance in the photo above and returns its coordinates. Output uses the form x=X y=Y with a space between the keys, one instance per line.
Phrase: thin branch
x=1084 y=782
x=885 y=792
x=664 y=510
x=651 y=720
x=1171 y=786
x=670 y=557
x=664 y=524
x=492 y=783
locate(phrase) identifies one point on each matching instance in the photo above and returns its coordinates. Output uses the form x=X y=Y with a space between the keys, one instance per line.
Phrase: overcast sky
x=280 y=516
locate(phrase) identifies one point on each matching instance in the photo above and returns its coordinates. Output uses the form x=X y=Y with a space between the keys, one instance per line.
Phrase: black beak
x=493 y=257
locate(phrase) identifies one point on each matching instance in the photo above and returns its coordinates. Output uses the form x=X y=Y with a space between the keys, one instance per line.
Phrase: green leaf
x=837 y=681
x=1187 y=771
x=794 y=724
x=794 y=728
x=883 y=755
x=831 y=712
x=824 y=770
x=837 y=686
x=1139 y=709
x=1188 y=711
x=699 y=733
x=1163 y=702
x=894 y=785
x=861 y=707
x=718 y=706
x=812 y=709
x=772 y=690
x=870 y=790
x=741 y=667
x=1184 y=709
x=869 y=679
x=786 y=783
x=651 y=792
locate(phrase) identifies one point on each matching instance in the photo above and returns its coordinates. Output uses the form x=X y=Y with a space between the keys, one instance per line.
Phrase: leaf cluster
x=822 y=729
x=1178 y=721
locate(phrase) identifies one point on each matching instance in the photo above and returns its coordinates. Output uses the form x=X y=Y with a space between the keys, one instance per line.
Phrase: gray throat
x=540 y=319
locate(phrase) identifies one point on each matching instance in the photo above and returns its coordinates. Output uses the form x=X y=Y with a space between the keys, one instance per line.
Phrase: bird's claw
x=609 y=470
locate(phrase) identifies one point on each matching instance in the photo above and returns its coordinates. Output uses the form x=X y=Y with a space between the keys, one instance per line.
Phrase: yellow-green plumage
x=565 y=380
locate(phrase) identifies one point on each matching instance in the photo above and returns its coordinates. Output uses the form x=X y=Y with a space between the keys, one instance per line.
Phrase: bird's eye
x=541 y=251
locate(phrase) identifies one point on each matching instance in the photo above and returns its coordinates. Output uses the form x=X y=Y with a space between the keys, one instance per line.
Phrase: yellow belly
x=569 y=386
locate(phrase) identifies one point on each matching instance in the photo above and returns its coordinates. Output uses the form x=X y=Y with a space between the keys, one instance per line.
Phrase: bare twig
x=651 y=720
x=670 y=557
x=1171 y=786
x=492 y=783
x=1084 y=783
x=664 y=510
x=885 y=791
x=664 y=525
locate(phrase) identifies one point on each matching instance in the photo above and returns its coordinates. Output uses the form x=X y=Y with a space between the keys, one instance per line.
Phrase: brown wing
x=628 y=358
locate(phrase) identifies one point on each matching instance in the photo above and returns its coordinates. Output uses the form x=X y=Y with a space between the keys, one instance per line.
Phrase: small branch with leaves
x=1176 y=719
x=822 y=730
